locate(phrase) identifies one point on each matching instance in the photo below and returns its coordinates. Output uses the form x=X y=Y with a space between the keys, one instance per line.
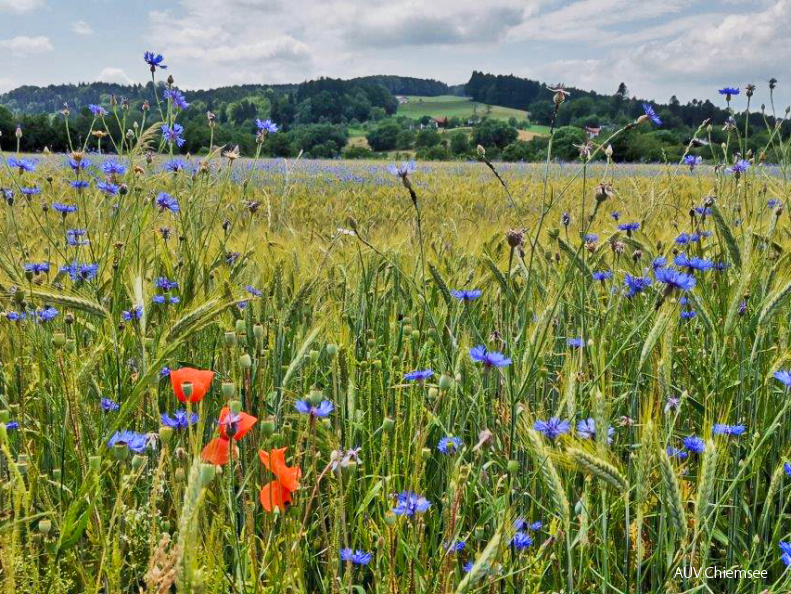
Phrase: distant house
x=441 y=122
x=402 y=99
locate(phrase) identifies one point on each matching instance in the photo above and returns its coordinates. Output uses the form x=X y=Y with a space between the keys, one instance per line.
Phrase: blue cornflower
x=11 y=425
x=108 y=188
x=565 y=219
x=154 y=60
x=22 y=164
x=404 y=169
x=419 y=375
x=602 y=275
x=74 y=237
x=8 y=195
x=357 y=557
x=616 y=215
x=703 y=211
x=173 y=134
x=694 y=444
x=113 y=168
x=692 y=161
x=409 y=503
x=80 y=184
x=158 y=299
x=576 y=343
x=591 y=238
x=785 y=550
x=322 y=410
x=489 y=359
x=739 y=167
x=787 y=468
x=586 y=429
x=651 y=114
x=133 y=440
x=783 y=377
x=688 y=314
x=692 y=264
x=109 y=405
x=729 y=92
x=466 y=296
x=34 y=191
x=636 y=284
x=63 y=209
x=174 y=165
x=253 y=291
x=553 y=428
x=675 y=279
x=773 y=203
x=721 y=429
x=179 y=101
x=181 y=419
x=659 y=262
x=80 y=165
x=80 y=272
x=97 y=110
x=629 y=227
x=47 y=314
x=133 y=314
x=683 y=239
x=37 y=267
x=521 y=524
x=449 y=445
x=456 y=546
x=676 y=453
x=166 y=202
x=164 y=372
x=165 y=284
x=521 y=540
x=16 y=316
x=266 y=125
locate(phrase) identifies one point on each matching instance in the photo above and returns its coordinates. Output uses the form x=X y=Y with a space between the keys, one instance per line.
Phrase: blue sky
x=658 y=48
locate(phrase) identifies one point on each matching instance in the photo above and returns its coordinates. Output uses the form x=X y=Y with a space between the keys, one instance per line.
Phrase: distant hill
x=407 y=85
x=451 y=106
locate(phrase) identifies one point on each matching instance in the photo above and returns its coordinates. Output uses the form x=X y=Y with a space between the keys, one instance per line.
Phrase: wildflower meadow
x=224 y=374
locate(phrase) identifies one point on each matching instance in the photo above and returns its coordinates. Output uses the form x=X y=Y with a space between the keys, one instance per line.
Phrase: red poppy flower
x=242 y=423
x=199 y=378
x=218 y=451
x=278 y=492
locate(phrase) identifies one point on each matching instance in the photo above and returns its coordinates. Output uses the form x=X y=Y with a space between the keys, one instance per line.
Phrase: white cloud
x=20 y=6
x=82 y=28
x=114 y=75
x=24 y=45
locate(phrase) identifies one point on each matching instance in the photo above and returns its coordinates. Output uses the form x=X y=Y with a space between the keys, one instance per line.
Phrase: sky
x=659 y=48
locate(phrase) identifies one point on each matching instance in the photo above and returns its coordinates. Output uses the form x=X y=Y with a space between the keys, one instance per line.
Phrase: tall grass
x=303 y=281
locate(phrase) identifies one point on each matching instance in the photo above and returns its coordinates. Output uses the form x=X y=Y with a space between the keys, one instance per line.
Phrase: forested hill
x=533 y=96
x=31 y=99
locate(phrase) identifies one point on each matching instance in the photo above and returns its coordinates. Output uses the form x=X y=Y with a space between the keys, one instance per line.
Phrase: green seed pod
x=71 y=345
x=186 y=388
x=207 y=472
x=445 y=382
x=258 y=332
x=58 y=339
x=415 y=335
x=332 y=350
x=388 y=424
x=228 y=390
x=120 y=451
x=376 y=363
x=95 y=463
x=44 y=526
x=426 y=453
x=268 y=426
x=513 y=467
x=235 y=406
x=241 y=327
x=149 y=342
x=314 y=355
x=433 y=393
x=165 y=434
x=390 y=518
x=315 y=397
x=407 y=328
x=245 y=361
x=138 y=462
x=5 y=416
x=230 y=339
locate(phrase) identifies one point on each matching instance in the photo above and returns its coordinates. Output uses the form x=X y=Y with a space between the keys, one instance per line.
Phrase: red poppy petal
x=273 y=458
x=274 y=495
x=217 y=451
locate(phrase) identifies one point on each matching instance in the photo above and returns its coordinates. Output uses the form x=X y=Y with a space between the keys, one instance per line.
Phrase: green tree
x=494 y=133
x=384 y=136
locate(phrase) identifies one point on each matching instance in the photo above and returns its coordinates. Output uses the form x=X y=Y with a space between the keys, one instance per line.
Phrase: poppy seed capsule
x=268 y=426
x=71 y=346
x=230 y=339
x=314 y=355
x=513 y=467
x=241 y=327
x=44 y=526
x=120 y=451
x=258 y=332
x=207 y=472
x=445 y=382
x=390 y=518
x=235 y=406
x=165 y=434
x=186 y=388
x=315 y=397
x=138 y=462
x=58 y=339
x=245 y=361
x=228 y=390
x=332 y=350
